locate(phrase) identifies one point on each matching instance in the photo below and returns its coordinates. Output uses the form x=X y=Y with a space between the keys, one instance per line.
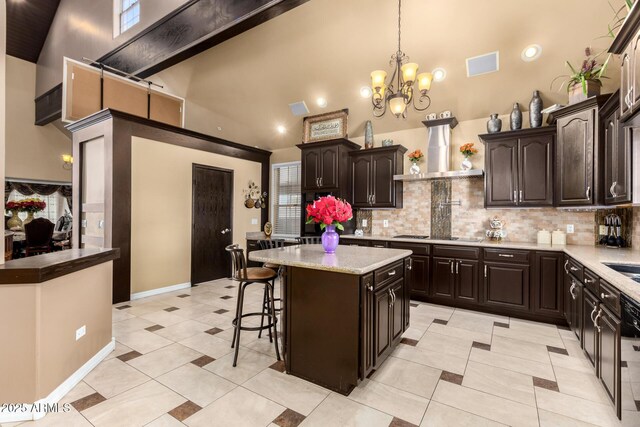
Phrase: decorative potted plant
x=415 y=157
x=467 y=151
x=585 y=81
x=329 y=212
x=31 y=206
x=14 y=222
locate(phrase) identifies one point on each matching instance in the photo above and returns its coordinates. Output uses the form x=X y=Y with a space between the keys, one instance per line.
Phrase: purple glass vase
x=330 y=239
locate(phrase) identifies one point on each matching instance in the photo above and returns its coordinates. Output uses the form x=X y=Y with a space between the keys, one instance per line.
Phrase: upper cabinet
x=372 y=171
x=519 y=168
x=325 y=165
x=617 y=154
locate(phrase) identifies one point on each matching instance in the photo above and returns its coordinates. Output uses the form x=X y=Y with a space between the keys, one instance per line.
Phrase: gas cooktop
x=418 y=237
x=410 y=236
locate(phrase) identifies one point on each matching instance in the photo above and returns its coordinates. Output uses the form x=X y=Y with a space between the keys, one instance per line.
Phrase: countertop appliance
x=630 y=317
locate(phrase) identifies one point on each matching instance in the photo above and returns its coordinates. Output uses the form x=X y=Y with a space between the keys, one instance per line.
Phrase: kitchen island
x=343 y=313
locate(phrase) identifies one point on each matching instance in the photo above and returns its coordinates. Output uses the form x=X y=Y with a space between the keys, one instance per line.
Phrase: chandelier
x=399 y=92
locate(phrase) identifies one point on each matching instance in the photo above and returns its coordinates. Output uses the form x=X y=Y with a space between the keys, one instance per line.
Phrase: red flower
x=329 y=211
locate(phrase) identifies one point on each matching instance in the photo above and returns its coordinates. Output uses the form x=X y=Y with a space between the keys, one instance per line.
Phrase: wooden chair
x=247 y=276
x=38 y=235
x=309 y=240
x=263 y=245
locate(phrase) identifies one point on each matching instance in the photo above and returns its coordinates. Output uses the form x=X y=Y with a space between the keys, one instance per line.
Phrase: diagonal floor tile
x=249 y=364
x=114 y=376
x=164 y=360
x=390 y=400
x=208 y=344
x=337 y=410
x=408 y=376
x=439 y=415
x=516 y=364
x=500 y=382
x=196 y=384
x=575 y=407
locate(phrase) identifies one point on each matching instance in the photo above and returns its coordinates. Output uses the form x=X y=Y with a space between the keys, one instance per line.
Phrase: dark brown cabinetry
x=573 y=297
x=506 y=285
x=617 y=154
x=549 y=296
x=325 y=165
x=388 y=319
x=608 y=351
x=455 y=273
x=418 y=275
x=372 y=171
x=519 y=168
x=589 y=311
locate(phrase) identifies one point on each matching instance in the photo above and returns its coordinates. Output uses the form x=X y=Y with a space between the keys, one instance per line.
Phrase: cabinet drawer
x=591 y=281
x=355 y=242
x=252 y=245
x=575 y=268
x=504 y=255
x=379 y=244
x=418 y=249
x=610 y=296
x=388 y=274
x=456 y=252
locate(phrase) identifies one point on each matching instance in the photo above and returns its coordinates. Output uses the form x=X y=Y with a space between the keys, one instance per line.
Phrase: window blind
x=286 y=198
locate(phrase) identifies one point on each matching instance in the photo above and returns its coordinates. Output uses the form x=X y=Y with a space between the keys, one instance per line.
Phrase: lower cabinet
x=506 y=285
x=608 y=351
x=573 y=297
x=589 y=336
x=388 y=319
x=455 y=279
x=548 y=298
x=442 y=278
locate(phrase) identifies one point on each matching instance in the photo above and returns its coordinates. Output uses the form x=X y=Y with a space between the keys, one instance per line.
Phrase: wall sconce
x=68 y=161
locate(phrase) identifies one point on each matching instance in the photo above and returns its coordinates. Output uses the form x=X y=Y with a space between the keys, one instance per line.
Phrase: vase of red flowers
x=31 y=206
x=330 y=212
x=14 y=222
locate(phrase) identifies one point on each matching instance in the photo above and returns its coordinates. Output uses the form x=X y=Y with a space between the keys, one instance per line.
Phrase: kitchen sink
x=630 y=270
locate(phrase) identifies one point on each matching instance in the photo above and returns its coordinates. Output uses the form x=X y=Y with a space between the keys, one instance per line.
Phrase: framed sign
x=323 y=127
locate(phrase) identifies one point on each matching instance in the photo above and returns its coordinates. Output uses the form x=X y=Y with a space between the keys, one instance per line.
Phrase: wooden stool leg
x=239 y=324
x=274 y=319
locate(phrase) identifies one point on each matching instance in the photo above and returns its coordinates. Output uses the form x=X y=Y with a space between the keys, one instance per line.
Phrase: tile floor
x=172 y=367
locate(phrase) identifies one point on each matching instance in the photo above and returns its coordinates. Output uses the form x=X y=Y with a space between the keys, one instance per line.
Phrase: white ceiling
x=327 y=48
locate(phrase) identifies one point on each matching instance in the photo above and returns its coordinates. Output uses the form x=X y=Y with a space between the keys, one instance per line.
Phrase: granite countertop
x=592 y=257
x=347 y=259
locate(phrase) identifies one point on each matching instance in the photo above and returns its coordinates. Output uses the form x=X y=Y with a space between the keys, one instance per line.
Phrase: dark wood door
x=501 y=164
x=442 y=279
x=568 y=292
x=361 y=188
x=577 y=298
x=329 y=168
x=211 y=223
x=609 y=355
x=418 y=276
x=625 y=81
x=575 y=153
x=549 y=279
x=634 y=77
x=310 y=169
x=383 y=167
x=618 y=186
x=506 y=285
x=397 y=311
x=535 y=171
x=382 y=322
x=466 y=281
x=589 y=311
x=611 y=134
x=406 y=293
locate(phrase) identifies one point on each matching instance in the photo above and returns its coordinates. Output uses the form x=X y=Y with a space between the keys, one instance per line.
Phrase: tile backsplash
x=471 y=219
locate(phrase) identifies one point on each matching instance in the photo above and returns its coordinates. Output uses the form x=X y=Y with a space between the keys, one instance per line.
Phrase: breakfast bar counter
x=343 y=313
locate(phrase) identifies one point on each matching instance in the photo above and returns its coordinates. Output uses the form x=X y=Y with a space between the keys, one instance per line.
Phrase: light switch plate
x=81 y=332
x=254 y=221
x=364 y=222
x=603 y=230
x=570 y=229
x=385 y=223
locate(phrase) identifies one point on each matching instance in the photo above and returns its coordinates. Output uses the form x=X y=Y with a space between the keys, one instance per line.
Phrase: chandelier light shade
x=398 y=92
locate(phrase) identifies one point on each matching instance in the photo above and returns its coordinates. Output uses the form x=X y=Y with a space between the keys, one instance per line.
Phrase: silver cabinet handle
x=595 y=308
x=612 y=190
x=595 y=321
x=392 y=273
x=410 y=266
x=572 y=268
x=505 y=255
x=573 y=286
x=378 y=246
x=520 y=195
x=515 y=195
x=370 y=288
x=457 y=266
x=605 y=296
x=393 y=294
x=451 y=263
x=485 y=270
x=587 y=280
x=390 y=297
x=225 y=231
x=321 y=181
x=373 y=199
x=588 y=192
x=566 y=263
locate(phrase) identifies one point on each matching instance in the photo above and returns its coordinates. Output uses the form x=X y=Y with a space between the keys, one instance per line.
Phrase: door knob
x=225 y=231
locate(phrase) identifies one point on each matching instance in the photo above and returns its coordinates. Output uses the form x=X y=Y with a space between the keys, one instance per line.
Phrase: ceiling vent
x=299 y=108
x=483 y=64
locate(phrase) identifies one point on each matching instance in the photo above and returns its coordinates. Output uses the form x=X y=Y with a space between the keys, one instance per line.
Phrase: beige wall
x=32 y=152
x=3 y=57
x=161 y=201
x=37 y=329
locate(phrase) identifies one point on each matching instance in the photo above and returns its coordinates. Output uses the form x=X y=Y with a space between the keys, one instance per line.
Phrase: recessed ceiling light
x=439 y=74
x=366 y=92
x=281 y=129
x=531 y=52
x=219 y=128
x=321 y=102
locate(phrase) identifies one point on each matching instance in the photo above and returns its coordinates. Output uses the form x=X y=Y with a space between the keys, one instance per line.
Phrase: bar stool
x=309 y=240
x=270 y=244
x=247 y=276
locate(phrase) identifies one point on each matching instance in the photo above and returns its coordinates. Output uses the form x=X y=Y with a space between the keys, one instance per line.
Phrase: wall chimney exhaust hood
x=439 y=154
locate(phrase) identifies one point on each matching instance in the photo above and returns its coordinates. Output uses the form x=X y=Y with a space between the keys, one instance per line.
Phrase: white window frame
x=117 y=17
x=273 y=198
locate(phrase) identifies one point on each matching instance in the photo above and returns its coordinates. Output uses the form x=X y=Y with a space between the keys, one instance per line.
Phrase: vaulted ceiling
x=240 y=89
x=28 y=23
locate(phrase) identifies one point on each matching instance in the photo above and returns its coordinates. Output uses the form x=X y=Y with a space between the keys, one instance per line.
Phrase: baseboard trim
x=159 y=291
x=60 y=391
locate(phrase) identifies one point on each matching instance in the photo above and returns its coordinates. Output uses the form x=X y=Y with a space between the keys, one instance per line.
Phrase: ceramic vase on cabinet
x=330 y=239
x=368 y=134
x=15 y=220
x=494 y=125
x=535 y=110
x=515 y=119
x=28 y=219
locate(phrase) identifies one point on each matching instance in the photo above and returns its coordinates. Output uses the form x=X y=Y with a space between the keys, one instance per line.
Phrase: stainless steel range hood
x=439 y=154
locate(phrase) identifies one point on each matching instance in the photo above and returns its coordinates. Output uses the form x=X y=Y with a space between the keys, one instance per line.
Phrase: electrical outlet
x=81 y=332
x=603 y=230
x=254 y=221
x=364 y=222
x=385 y=223
x=570 y=229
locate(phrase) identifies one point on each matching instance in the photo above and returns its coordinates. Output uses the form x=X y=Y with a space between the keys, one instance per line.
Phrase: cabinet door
x=418 y=277
x=634 y=76
x=625 y=81
x=501 y=163
x=383 y=167
x=548 y=285
x=574 y=171
x=406 y=292
x=466 y=280
x=367 y=325
x=506 y=285
x=310 y=168
x=621 y=164
x=535 y=177
x=589 y=311
x=568 y=293
x=329 y=167
x=361 y=181
x=382 y=324
x=577 y=309
x=442 y=280
x=397 y=311
x=609 y=355
x=611 y=134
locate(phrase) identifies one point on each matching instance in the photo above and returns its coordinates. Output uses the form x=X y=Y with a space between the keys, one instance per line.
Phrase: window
x=286 y=199
x=56 y=205
x=128 y=14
